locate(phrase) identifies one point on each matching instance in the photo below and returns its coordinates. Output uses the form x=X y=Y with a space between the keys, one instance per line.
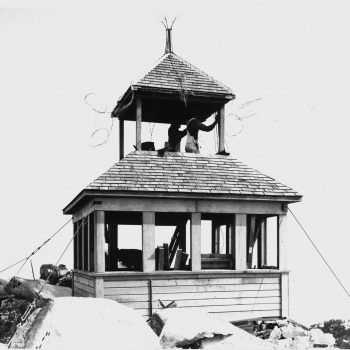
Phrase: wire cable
x=37 y=249
x=320 y=254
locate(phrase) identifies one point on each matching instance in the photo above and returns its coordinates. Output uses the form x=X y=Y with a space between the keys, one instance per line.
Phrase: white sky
x=293 y=55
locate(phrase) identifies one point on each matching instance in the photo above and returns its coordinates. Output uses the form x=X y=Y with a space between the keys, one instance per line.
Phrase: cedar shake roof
x=174 y=73
x=184 y=174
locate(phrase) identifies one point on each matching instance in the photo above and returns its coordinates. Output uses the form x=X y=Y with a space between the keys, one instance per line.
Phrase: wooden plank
x=160 y=259
x=221 y=129
x=244 y=315
x=167 y=297
x=85 y=288
x=212 y=308
x=148 y=242
x=195 y=241
x=241 y=242
x=178 y=258
x=193 y=282
x=188 y=205
x=193 y=289
x=166 y=256
x=138 y=123
x=121 y=139
x=249 y=303
x=99 y=241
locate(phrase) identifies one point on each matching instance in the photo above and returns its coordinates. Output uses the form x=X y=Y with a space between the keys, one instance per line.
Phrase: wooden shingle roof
x=185 y=175
x=174 y=73
x=189 y=173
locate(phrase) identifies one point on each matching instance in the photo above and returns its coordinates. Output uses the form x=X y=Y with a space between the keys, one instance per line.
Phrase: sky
x=291 y=58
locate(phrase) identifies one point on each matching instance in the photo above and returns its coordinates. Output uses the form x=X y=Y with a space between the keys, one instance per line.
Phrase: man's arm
x=208 y=127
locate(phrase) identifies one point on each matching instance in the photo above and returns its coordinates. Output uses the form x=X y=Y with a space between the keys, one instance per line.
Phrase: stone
x=29 y=289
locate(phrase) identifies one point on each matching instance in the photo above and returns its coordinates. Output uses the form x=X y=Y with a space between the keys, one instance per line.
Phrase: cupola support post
x=138 y=123
x=221 y=127
x=121 y=139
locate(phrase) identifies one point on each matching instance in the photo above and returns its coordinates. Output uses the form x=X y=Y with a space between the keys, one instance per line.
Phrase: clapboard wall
x=233 y=296
x=83 y=285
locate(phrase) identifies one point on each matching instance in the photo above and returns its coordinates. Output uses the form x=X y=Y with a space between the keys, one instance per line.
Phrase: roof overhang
x=166 y=105
x=86 y=195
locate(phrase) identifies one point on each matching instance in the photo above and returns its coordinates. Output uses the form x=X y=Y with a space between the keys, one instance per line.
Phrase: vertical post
x=241 y=242
x=215 y=237
x=196 y=260
x=99 y=241
x=82 y=233
x=113 y=243
x=99 y=251
x=138 y=123
x=282 y=253
x=121 y=139
x=262 y=245
x=79 y=266
x=221 y=147
x=87 y=220
x=75 y=244
x=230 y=237
x=148 y=241
x=92 y=241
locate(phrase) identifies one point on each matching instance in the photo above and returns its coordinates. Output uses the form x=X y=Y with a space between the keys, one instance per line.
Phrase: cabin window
x=172 y=242
x=262 y=242
x=217 y=241
x=123 y=241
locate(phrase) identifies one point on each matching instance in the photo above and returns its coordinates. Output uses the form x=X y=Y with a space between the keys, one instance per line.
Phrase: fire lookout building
x=226 y=252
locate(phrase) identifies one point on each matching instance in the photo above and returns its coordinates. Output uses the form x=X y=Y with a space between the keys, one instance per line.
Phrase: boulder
x=3 y=283
x=72 y=322
x=320 y=338
x=28 y=289
x=184 y=327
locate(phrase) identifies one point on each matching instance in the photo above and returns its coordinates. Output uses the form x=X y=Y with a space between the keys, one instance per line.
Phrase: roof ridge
x=202 y=72
x=159 y=60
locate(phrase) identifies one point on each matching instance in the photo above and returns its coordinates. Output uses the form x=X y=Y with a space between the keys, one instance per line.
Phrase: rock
x=237 y=341
x=11 y=311
x=275 y=334
x=86 y=323
x=28 y=289
x=52 y=273
x=184 y=328
x=320 y=338
x=3 y=283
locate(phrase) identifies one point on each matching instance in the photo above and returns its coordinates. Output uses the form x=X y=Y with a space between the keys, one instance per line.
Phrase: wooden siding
x=83 y=285
x=235 y=297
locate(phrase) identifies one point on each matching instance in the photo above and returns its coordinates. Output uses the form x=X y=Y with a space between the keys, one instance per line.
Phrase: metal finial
x=168 y=42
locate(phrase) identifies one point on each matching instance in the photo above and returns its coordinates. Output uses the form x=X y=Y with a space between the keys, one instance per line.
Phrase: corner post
x=282 y=242
x=241 y=242
x=196 y=261
x=121 y=139
x=148 y=242
x=221 y=127
x=138 y=123
x=99 y=251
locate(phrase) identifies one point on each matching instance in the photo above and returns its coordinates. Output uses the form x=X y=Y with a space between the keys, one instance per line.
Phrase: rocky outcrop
x=29 y=289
